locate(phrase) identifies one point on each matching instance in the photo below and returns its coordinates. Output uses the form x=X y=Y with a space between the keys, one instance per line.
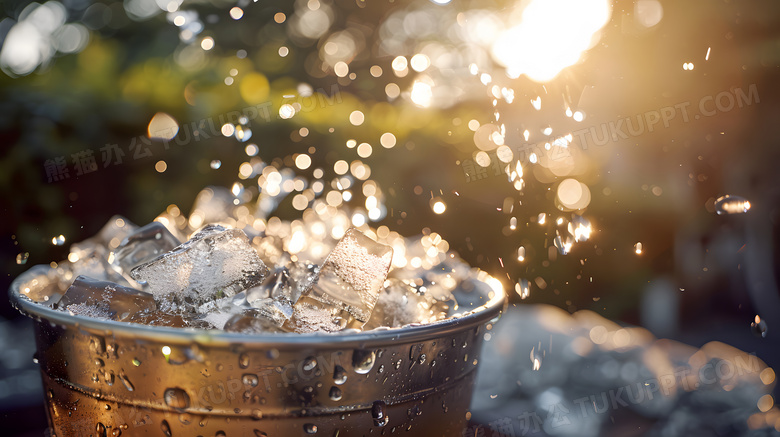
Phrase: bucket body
x=109 y=378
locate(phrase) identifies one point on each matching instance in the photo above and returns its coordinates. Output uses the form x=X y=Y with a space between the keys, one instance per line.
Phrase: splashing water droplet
x=731 y=205
x=536 y=358
x=563 y=244
x=22 y=258
x=523 y=288
x=638 y=248
x=363 y=361
x=521 y=253
x=379 y=414
x=759 y=327
x=59 y=240
x=215 y=164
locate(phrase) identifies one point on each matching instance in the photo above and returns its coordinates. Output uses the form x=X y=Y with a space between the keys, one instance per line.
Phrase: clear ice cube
x=143 y=245
x=216 y=262
x=250 y=322
x=92 y=297
x=346 y=288
x=274 y=297
x=400 y=304
x=42 y=284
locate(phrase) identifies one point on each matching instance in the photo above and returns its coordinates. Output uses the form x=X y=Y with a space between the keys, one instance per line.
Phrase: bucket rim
x=488 y=311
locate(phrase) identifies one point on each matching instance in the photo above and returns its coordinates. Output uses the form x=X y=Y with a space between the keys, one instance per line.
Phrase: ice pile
x=318 y=274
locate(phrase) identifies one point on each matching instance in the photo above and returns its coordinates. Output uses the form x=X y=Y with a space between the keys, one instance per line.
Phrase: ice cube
x=92 y=297
x=274 y=297
x=91 y=263
x=250 y=322
x=400 y=304
x=216 y=262
x=159 y=318
x=41 y=284
x=347 y=285
x=143 y=245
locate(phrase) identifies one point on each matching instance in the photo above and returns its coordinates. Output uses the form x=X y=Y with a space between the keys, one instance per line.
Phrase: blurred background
x=577 y=151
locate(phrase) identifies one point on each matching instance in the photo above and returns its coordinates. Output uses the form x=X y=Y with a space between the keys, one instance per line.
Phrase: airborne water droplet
x=731 y=205
x=215 y=164
x=523 y=288
x=363 y=361
x=759 y=327
x=22 y=258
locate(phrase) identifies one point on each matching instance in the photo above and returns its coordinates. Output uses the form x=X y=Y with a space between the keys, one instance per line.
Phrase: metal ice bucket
x=109 y=378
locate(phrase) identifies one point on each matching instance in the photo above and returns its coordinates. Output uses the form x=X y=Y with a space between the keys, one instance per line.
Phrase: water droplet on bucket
x=310 y=428
x=126 y=381
x=100 y=429
x=136 y=362
x=309 y=364
x=243 y=361
x=176 y=398
x=363 y=361
x=215 y=164
x=339 y=375
x=257 y=414
x=731 y=205
x=378 y=413
x=259 y=433
x=335 y=394
x=758 y=325
x=250 y=379
x=166 y=429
